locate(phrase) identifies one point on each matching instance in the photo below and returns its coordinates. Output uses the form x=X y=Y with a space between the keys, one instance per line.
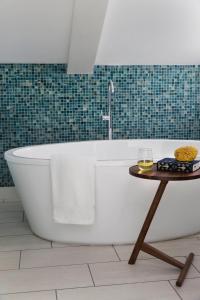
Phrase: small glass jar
x=145 y=159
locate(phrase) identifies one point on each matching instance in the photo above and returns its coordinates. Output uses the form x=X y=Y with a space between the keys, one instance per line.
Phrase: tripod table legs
x=141 y=245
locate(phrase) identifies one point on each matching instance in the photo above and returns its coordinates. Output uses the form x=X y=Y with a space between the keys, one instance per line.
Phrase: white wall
x=151 y=32
x=135 y=31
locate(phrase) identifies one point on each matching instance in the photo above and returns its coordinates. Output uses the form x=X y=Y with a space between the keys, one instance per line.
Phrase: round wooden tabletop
x=162 y=175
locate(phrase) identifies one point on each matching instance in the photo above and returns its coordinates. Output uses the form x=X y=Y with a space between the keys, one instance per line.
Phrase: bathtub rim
x=10 y=155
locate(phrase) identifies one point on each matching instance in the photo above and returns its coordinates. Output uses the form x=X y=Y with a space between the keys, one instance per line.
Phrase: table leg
x=140 y=245
x=147 y=222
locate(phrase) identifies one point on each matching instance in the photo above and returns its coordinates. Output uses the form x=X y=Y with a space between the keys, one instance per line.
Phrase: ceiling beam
x=87 y=23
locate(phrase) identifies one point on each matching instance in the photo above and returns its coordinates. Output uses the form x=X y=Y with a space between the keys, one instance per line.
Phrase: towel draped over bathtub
x=73 y=189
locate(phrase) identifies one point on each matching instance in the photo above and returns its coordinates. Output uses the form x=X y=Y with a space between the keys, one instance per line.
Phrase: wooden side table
x=164 y=178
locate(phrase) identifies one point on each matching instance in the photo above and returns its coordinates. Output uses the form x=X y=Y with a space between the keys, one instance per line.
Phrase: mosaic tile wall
x=41 y=104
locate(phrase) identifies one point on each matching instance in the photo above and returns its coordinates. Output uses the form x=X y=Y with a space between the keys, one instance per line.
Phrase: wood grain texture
x=147 y=222
x=164 y=178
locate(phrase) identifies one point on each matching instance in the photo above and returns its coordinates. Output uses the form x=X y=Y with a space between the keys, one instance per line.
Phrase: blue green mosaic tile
x=42 y=104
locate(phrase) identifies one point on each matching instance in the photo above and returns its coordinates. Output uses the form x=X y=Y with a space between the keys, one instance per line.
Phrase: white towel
x=73 y=189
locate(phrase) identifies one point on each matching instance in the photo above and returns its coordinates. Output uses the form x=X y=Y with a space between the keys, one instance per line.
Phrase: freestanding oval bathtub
x=122 y=201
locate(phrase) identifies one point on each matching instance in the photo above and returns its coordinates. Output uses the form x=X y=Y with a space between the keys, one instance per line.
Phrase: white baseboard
x=8 y=194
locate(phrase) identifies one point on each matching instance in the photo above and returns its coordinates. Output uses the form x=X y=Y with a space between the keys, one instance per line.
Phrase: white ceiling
x=134 y=31
x=35 y=31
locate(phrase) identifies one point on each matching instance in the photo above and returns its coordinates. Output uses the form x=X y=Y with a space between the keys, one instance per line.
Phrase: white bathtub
x=122 y=201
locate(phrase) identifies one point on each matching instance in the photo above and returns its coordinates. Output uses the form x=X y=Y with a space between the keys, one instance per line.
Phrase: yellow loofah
x=187 y=153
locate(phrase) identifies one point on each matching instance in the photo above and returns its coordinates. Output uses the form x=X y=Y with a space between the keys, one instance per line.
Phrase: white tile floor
x=35 y=269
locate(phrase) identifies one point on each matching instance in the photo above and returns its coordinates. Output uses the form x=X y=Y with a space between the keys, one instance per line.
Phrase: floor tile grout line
x=79 y=245
x=32 y=234
x=148 y=258
x=96 y=286
x=18 y=222
x=195 y=267
x=50 y=242
x=46 y=267
x=27 y=292
x=20 y=256
x=91 y=274
x=15 y=222
x=139 y=259
x=141 y=282
x=116 y=284
x=79 y=264
x=116 y=253
x=11 y=269
x=122 y=284
x=10 y=208
x=82 y=264
x=145 y=258
x=56 y=293
x=122 y=260
x=75 y=264
x=47 y=248
x=138 y=282
x=2 y=222
x=68 y=247
x=175 y=290
x=15 y=235
x=14 y=250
